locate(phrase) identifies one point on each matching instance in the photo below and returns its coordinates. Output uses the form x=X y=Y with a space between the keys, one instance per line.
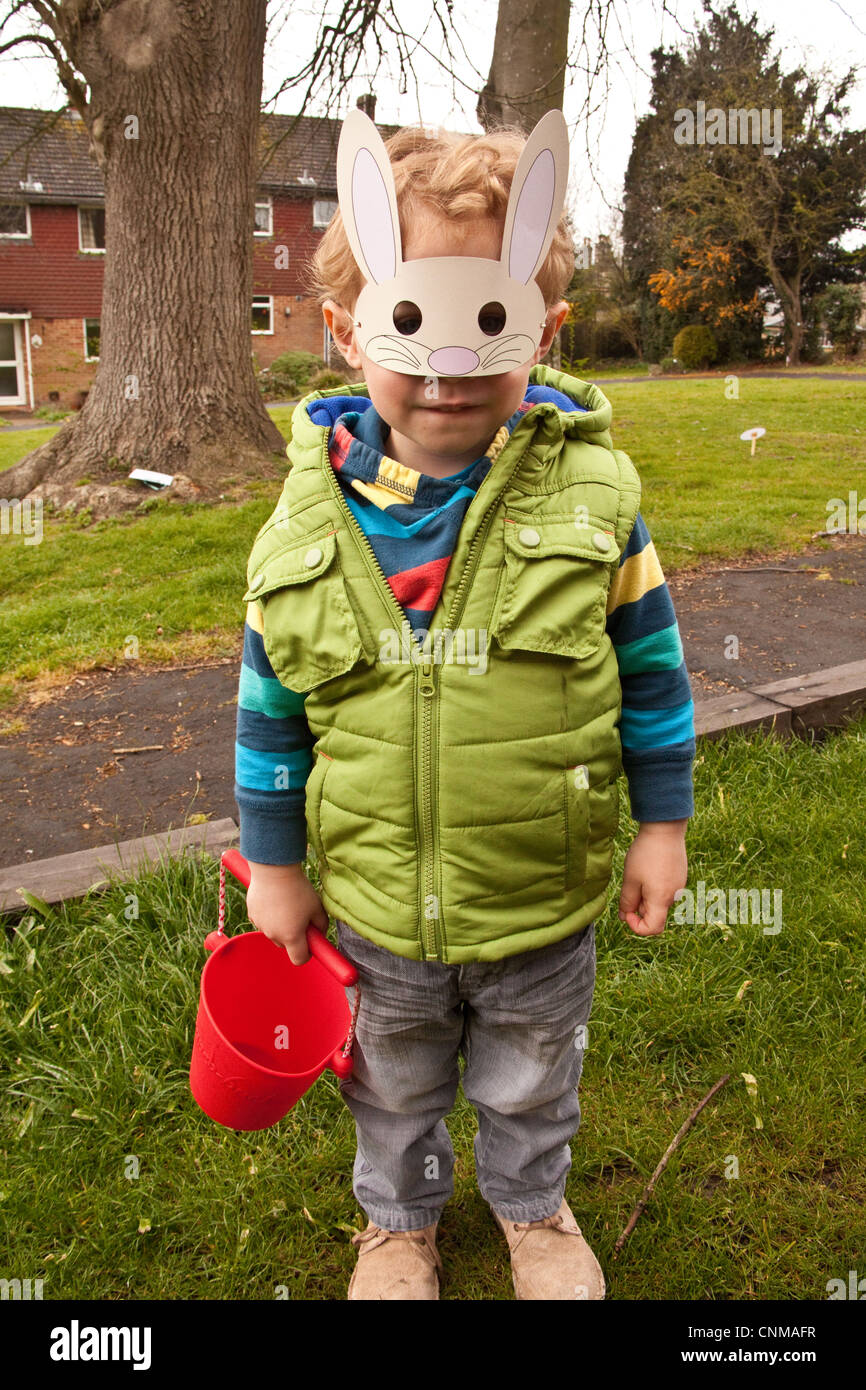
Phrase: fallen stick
x=681 y=1132
x=759 y=569
x=148 y=748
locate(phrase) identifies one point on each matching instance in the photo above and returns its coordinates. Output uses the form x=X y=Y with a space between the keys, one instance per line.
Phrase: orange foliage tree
x=705 y=282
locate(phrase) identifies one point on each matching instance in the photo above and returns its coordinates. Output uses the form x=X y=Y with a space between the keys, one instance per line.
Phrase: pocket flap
x=589 y=540
x=553 y=596
x=275 y=565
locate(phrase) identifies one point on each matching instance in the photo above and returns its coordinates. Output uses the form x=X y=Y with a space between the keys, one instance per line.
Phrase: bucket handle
x=320 y=947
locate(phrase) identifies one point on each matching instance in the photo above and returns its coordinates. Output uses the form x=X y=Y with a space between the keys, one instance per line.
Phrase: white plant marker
x=754 y=434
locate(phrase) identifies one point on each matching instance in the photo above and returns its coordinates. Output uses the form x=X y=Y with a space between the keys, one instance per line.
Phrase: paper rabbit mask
x=450 y=315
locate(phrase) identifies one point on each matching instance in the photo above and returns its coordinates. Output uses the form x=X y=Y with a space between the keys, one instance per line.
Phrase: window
x=14 y=219
x=91 y=340
x=91 y=229
x=323 y=211
x=264 y=225
x=262 y=314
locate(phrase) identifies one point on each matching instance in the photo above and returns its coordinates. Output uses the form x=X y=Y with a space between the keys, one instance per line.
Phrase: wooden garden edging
x=73 y=875
x=797 y=705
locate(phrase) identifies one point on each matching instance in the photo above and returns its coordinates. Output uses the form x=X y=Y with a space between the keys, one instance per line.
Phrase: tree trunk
x=175 y=96
x=797 y=326
x=527 y=70
x=792 y=308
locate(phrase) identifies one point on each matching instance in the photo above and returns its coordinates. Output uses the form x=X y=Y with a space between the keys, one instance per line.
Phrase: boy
x=462 y=808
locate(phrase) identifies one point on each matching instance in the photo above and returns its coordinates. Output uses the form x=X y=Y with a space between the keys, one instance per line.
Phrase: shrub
x=840 y=307
x=325 y=380
x=277 y=385
x=695 y=346
x=298 y=365
x=671 y=364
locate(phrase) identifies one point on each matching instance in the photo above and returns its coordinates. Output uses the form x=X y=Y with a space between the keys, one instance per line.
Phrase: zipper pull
x=427 y=686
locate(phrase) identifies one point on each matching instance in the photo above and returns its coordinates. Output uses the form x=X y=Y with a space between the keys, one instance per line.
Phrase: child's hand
x=655 y=870
x=282 y=903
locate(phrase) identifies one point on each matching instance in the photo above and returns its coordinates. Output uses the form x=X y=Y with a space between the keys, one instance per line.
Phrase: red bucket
x=266 y=1029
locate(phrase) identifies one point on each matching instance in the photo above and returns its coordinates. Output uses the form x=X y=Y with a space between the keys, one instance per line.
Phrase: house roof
x=50 y=150
x=44 y=158
x=293 y=151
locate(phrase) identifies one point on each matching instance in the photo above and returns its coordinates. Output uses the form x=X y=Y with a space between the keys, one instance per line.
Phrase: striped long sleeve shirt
x=411 y=521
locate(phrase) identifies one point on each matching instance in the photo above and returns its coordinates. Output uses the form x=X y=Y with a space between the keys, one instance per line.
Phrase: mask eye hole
x=407 y=317
x=491 y=319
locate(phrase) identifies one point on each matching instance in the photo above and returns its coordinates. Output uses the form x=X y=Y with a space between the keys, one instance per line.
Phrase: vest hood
x=581 y=413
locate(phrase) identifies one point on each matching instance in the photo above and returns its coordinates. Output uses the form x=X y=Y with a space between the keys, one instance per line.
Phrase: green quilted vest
x=463 y=801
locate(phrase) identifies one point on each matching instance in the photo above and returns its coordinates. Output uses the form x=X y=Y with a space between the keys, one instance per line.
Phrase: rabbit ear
x=537 y=197
x=368 y=199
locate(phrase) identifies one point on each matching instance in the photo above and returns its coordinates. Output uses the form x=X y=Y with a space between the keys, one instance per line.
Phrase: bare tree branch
x=22 y=38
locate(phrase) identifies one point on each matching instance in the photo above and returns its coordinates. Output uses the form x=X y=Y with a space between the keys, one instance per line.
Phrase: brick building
x=52 y=248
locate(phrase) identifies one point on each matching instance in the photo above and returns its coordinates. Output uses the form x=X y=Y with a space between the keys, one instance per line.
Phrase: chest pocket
x=310 y=630
x=553 y=593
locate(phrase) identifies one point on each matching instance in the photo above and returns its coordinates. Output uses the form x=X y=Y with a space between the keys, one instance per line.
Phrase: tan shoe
x=550 y=1259
x=396 y=1264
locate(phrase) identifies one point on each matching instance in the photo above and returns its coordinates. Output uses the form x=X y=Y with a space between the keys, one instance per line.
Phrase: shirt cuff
x=270 y=835
x=660 y=785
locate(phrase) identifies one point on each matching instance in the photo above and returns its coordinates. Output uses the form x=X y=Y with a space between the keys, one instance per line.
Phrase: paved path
x=603 y=381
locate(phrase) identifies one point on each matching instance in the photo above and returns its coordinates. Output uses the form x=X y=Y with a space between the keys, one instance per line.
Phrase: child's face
x=425 y=433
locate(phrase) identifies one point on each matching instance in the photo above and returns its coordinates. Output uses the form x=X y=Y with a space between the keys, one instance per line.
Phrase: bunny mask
x=450 y=315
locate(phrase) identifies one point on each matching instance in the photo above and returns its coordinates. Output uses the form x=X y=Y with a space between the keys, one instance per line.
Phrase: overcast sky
x=816 y=33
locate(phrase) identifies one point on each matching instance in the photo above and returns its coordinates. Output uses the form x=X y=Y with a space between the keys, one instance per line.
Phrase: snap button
x=600 y=540
x=257 y=581
x=528 y=536
x=312 y=557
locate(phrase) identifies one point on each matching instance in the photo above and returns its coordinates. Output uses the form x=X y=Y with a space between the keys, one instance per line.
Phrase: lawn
x=169 y=584
x=115 y=1185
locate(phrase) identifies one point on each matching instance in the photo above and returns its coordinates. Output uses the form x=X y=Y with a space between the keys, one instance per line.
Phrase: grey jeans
x=520 y=1024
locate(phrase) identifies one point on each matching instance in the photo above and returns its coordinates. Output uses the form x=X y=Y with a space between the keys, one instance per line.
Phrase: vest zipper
x=430 y=899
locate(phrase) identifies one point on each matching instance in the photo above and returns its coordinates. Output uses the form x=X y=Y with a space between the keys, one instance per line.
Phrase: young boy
x=458 y=633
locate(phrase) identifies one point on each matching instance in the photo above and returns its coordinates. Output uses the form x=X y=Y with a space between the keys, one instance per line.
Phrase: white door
x=12 y=363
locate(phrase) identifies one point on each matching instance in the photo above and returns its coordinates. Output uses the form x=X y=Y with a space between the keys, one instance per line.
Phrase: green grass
x=97 y=1023
x=74 y=600
x=87 y=596
x=14 y=444
x=704 y=496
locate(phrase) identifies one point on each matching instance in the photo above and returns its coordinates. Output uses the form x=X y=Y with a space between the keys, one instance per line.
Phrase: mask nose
x=453 y=361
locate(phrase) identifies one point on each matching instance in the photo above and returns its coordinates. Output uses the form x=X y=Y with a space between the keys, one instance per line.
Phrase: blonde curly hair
x=442 y=176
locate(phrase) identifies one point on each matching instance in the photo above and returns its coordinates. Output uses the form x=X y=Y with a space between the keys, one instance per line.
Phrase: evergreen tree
x=738 y=156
